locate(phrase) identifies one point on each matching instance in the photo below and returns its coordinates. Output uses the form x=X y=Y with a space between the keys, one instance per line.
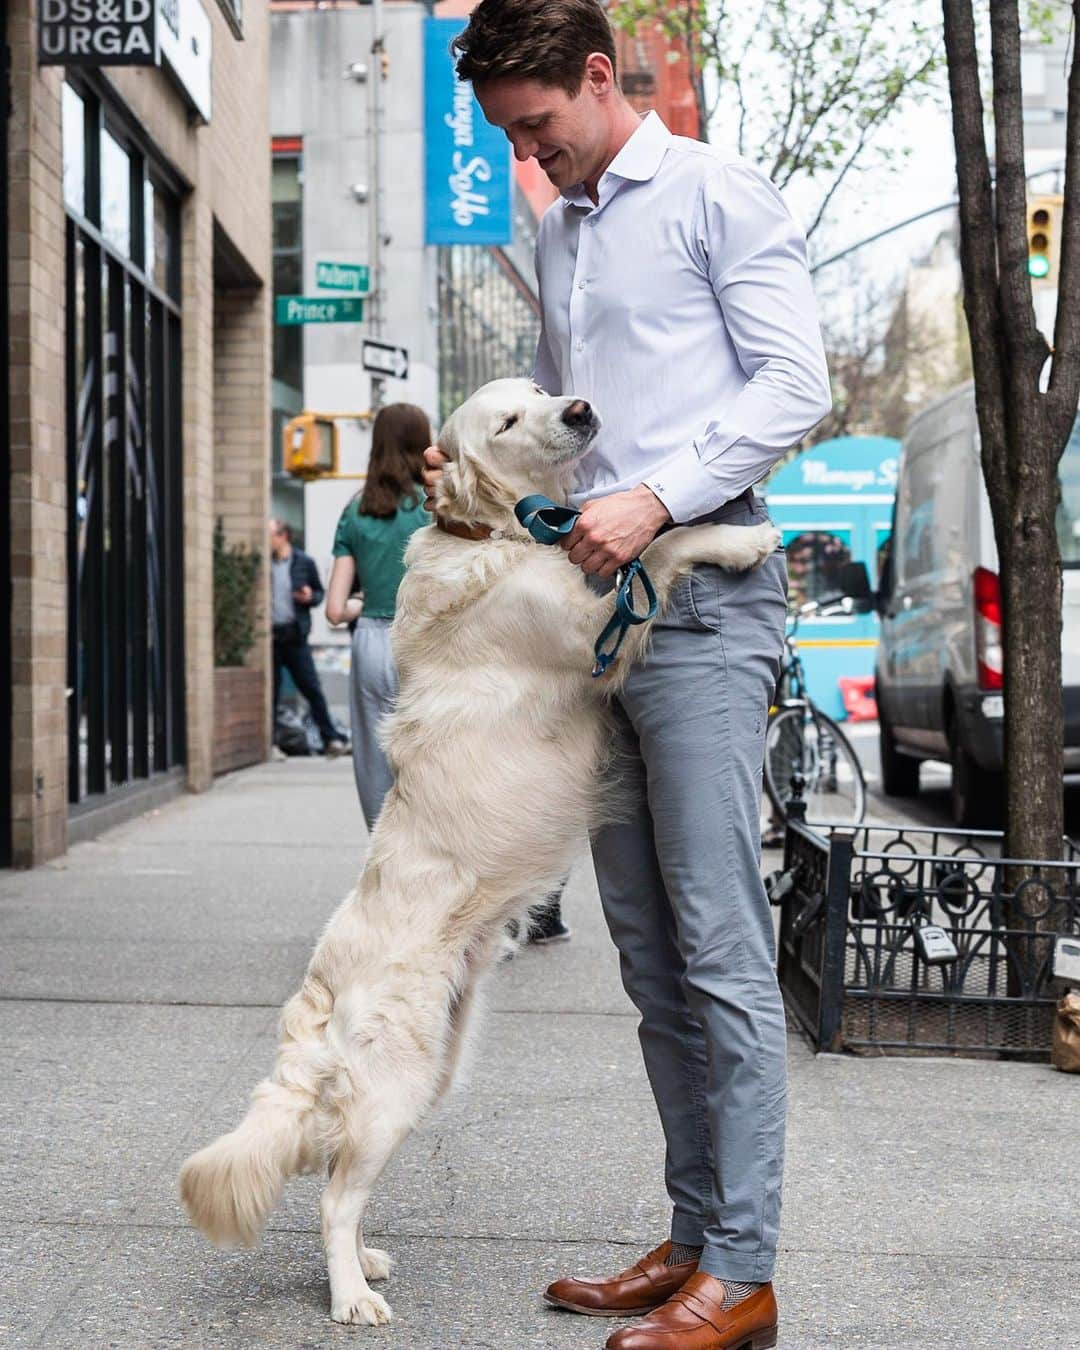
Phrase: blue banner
x=467 y=162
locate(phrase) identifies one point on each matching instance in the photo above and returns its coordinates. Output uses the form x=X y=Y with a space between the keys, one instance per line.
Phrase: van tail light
x=988 y=652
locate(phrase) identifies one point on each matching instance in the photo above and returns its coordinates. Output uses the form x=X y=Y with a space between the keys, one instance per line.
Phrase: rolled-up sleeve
x=755 y=256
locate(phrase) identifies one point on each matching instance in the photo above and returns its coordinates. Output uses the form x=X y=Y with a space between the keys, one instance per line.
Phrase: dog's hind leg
x=354 y=1173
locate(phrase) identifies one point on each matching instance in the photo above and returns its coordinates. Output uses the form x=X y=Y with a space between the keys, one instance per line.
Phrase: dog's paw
x=375 y=1263
x=368 y=1309
x=751 y=545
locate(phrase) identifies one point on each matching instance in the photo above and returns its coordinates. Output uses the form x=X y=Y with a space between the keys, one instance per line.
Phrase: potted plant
x=239 y=689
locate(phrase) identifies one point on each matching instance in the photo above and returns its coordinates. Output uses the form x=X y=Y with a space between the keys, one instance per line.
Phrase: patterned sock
x=736 y=1292
x=681 y=1253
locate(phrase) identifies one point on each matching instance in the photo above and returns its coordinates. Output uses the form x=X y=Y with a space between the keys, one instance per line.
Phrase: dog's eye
x=507 y=424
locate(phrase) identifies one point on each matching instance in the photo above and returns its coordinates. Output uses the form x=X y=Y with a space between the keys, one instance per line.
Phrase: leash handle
x=625 y=616
x=548 y=523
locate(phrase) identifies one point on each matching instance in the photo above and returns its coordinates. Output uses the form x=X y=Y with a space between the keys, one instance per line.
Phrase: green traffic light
x=1038 y=265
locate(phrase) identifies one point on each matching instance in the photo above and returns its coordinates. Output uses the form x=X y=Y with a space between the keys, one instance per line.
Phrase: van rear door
x=1068 y=532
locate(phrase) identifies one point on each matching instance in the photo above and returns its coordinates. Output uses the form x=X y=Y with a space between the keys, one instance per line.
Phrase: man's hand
x=434 y=459
x=613 y=530
x=303 y=595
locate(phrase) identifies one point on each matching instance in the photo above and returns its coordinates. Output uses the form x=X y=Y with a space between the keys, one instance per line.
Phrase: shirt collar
x=638 y=160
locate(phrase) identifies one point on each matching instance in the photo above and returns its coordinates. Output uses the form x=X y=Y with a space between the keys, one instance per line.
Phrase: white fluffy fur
x=495 y=745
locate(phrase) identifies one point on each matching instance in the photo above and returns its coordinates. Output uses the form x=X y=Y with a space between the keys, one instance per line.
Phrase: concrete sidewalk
x=928 y=1203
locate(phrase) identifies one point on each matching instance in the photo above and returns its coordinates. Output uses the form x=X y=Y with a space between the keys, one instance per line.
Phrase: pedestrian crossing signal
x=309 y=445
x=1044 y=239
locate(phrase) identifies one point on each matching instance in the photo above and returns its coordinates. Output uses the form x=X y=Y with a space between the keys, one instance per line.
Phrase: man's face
x=567 y=136
x=277 y=538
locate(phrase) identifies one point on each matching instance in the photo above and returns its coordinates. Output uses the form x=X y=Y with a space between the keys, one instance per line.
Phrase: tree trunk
x=1030 y=567
x=1023 y=428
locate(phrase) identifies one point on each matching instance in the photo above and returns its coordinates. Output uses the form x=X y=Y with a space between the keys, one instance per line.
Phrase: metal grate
x=849 y=961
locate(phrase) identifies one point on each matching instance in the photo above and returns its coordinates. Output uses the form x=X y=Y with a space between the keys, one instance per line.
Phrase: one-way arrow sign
x=382 y=359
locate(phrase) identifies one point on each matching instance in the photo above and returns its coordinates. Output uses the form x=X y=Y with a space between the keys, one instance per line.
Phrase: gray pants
x=373 y=687
x=682 y=894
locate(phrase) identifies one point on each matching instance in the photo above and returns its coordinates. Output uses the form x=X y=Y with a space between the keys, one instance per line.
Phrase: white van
x=939 y=668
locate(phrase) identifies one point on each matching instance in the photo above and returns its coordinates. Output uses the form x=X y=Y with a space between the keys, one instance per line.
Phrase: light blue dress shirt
x=681 y=307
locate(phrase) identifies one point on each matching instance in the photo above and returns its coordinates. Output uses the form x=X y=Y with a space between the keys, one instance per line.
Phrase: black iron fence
x=859 y=974
x=489 y=321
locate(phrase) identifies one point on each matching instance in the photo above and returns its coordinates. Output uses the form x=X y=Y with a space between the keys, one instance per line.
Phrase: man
x=295 y=589
x=676 y=298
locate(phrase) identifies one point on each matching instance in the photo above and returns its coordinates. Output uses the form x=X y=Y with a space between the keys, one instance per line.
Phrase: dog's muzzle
x=580 y=416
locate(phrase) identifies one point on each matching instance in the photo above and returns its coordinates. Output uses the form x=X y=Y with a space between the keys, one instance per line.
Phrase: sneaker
x=547 y=931
x=334 y=748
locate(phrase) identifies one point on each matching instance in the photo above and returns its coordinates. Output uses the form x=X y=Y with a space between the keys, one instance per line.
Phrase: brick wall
x=227 y=164
x=38 y=525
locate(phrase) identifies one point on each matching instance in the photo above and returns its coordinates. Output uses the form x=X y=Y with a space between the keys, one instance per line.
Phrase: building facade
x=136 y=240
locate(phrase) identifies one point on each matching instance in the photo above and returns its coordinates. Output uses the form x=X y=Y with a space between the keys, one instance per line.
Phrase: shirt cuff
x=686 y=487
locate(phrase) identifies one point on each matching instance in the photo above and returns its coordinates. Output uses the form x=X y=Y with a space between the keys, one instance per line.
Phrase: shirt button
x=581 y=346
x=581 y=285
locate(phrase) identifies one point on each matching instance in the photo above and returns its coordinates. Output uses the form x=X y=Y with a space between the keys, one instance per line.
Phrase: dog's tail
x=230 y=1188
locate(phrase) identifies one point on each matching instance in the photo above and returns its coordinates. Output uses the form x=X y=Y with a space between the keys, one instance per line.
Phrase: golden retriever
x=496 y=745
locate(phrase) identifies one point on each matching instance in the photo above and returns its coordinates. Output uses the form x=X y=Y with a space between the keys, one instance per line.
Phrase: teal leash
x=548 y=524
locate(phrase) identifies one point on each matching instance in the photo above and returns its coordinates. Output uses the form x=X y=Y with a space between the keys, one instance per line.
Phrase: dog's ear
x=467 y=491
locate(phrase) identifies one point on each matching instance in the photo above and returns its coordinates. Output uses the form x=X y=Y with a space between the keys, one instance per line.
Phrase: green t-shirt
x=377 y=545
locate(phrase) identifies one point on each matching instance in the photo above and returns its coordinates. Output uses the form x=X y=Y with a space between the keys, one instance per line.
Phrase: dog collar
x=460 y=530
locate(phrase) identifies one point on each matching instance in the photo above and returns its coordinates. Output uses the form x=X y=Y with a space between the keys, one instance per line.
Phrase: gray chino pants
x=682 y=893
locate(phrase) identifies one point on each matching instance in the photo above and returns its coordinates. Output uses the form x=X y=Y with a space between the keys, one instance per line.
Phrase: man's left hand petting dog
x=497 y=745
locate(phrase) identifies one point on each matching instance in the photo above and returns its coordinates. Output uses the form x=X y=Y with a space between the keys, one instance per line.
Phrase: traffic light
x=1044 y=239
x=309 y=445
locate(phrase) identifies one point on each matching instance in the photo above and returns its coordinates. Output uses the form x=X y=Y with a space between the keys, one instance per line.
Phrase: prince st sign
x=97 y=33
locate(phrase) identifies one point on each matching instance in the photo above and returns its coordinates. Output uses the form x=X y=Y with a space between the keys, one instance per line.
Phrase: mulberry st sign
x=97 y=33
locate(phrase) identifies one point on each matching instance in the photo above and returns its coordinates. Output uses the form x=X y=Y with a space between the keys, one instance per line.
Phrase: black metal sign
x=97 y=32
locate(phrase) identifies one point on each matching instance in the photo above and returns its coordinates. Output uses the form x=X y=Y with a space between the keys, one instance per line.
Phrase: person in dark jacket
x=295 y=589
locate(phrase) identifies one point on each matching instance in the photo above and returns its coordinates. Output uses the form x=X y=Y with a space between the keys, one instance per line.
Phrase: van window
x=1068 y=512
x=915 y=540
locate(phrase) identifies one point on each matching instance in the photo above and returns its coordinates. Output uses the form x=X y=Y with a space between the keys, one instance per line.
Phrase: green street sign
x=332 y=276
x=289 y=309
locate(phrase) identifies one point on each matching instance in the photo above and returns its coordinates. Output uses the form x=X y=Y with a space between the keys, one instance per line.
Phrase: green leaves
x=236 y=571
x=802 y=87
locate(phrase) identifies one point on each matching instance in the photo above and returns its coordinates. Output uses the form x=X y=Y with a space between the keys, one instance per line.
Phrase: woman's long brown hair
x=399 y=438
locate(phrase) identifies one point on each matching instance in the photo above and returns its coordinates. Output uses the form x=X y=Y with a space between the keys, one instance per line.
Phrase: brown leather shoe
x=640 y=1289
x=693 y=1319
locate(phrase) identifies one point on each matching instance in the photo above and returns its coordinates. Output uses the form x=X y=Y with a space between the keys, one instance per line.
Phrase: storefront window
x=115 y=193
x=73 y=132
x=125 y=655
x=287 y=211
x=161 y=232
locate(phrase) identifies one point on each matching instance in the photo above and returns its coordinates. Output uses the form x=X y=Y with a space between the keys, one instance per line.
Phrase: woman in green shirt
x=369 y=552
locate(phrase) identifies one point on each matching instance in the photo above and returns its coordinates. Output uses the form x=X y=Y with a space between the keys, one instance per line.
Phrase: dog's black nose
x=578 y=414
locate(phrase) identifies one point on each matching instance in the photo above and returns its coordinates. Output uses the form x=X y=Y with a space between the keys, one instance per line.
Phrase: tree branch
x=978 y=255
x=1017 y=310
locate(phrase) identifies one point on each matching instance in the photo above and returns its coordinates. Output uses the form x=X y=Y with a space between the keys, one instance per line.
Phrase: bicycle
x=801 y=739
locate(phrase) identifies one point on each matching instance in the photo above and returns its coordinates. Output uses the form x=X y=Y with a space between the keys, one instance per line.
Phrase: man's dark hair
x=545 y=40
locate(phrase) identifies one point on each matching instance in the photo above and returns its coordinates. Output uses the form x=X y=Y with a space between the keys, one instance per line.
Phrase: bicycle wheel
x=799 y=738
